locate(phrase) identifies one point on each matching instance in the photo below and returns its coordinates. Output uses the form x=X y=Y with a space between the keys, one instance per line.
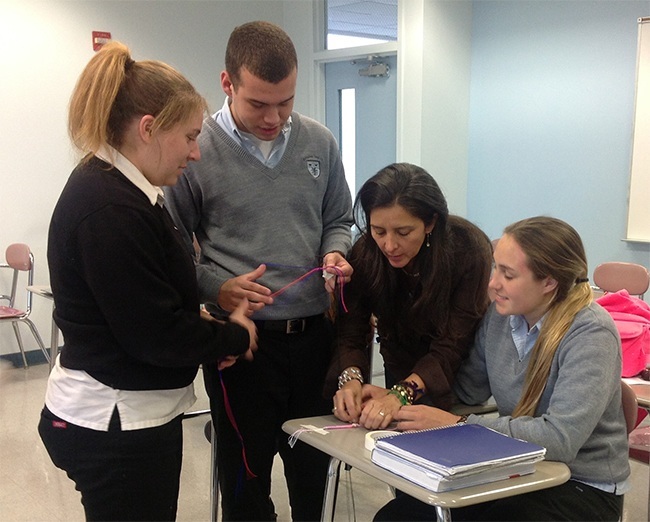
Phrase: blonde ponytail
x=557 y=323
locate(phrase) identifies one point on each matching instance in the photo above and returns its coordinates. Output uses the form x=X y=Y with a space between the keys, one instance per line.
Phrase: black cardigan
x=125 y=287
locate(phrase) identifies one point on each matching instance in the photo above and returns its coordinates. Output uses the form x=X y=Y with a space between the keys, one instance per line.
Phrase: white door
x=373 y=118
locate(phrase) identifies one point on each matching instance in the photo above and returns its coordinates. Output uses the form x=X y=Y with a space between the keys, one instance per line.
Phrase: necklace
x=417 y=274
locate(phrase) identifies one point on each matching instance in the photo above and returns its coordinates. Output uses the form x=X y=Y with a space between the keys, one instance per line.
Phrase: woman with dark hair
x=551 y=358
x=423 y=275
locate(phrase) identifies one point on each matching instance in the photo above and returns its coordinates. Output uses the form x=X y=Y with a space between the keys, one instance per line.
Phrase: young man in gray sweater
x=267 y=203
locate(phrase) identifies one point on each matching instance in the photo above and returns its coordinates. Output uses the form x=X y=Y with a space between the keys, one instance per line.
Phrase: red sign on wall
x=100 y=38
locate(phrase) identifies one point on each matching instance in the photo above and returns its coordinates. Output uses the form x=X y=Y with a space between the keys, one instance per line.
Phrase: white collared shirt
x=131 y=172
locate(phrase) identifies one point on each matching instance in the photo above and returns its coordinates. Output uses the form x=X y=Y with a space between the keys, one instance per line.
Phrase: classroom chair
x=616 y=275
x=19 y=258
x=637 y=452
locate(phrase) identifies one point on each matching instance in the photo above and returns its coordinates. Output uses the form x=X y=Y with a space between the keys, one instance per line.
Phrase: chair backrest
x=20 y=258
x=630 y=406
x=614 y=276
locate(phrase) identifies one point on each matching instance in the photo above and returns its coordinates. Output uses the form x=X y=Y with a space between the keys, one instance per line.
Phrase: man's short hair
x=264 y=49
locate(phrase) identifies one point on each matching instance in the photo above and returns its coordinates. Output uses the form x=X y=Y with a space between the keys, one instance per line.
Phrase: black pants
x=284 y=381
x=569 y=501
x=122 y=475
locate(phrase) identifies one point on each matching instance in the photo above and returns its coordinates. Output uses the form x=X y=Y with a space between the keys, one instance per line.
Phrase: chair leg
x=20 y=342
x=214 y=476
x=37 y=336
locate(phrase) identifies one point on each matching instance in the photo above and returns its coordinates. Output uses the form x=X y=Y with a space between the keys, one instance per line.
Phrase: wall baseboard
x=33 y=357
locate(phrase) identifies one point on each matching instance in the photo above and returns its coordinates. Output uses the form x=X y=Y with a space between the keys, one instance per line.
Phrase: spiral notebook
x=456 y=456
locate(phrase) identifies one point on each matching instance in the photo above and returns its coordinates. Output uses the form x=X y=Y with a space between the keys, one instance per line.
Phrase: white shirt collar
x=130 y=172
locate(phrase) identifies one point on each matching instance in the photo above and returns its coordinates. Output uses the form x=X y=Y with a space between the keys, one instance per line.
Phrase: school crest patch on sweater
x=313 y=166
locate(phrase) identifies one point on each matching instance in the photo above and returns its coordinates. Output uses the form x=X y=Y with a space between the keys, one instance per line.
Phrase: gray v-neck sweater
x=245 y=213
x=579 y=419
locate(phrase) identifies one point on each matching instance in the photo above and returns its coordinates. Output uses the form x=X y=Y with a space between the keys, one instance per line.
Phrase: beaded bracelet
x=350 y=374
x=462 y=420
x=402 y=393
x=412 y=389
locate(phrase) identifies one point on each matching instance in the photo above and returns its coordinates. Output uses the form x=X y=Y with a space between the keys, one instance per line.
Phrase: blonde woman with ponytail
x=125 y=292
x=551 y=358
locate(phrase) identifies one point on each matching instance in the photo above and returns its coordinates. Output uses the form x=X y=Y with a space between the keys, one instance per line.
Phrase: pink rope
x=311 y=272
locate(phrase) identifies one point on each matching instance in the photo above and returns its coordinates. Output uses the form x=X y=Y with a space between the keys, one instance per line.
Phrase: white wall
x=46 y=44
x=434 y=64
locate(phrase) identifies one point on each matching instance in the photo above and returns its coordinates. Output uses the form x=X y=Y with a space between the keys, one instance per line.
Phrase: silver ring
x=333 y=409
x=382 y=413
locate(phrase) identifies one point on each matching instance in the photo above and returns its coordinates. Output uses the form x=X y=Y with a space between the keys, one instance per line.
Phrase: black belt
x=289 y=326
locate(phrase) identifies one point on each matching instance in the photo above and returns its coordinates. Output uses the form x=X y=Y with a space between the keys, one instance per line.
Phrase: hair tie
x=582 y=280
x=128 y=64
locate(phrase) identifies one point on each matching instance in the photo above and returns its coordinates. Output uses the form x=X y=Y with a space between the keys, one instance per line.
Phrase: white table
x=46 y=292
x=348 y=446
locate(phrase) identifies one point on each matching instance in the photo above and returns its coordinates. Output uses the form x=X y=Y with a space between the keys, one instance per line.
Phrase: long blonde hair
x=113 y=89
x=553 y=249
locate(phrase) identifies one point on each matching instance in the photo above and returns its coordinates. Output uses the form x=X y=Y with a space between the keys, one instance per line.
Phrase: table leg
x=443 y=514
x=54 y=341
x=214 y=478
x=329 y=498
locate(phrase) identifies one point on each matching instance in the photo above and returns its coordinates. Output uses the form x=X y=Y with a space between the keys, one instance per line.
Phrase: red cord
x=233 y=422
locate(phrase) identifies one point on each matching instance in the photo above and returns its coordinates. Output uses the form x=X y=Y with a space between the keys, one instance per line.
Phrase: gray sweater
x=579 y=419
x=244 y=213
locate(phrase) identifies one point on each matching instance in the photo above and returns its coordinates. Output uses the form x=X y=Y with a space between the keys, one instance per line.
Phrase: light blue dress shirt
x=524 y=338
x=249 y=142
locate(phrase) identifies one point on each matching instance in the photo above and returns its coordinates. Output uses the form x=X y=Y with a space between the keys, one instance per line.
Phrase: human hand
x=421 y=417
x=240 y=317
x=347 y=402
x=245 y=287
x=227 y=362
x=379 y=407
x=206 y=316
x=334 y=263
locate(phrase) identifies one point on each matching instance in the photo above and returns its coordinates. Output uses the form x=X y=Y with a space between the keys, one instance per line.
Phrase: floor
x=32 y=489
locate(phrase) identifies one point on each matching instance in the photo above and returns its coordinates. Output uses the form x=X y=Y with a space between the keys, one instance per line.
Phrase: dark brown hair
x=414 y=189
x=264 y=49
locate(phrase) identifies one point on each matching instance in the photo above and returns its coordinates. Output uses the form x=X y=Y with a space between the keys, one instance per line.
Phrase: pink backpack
x=632 y=318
